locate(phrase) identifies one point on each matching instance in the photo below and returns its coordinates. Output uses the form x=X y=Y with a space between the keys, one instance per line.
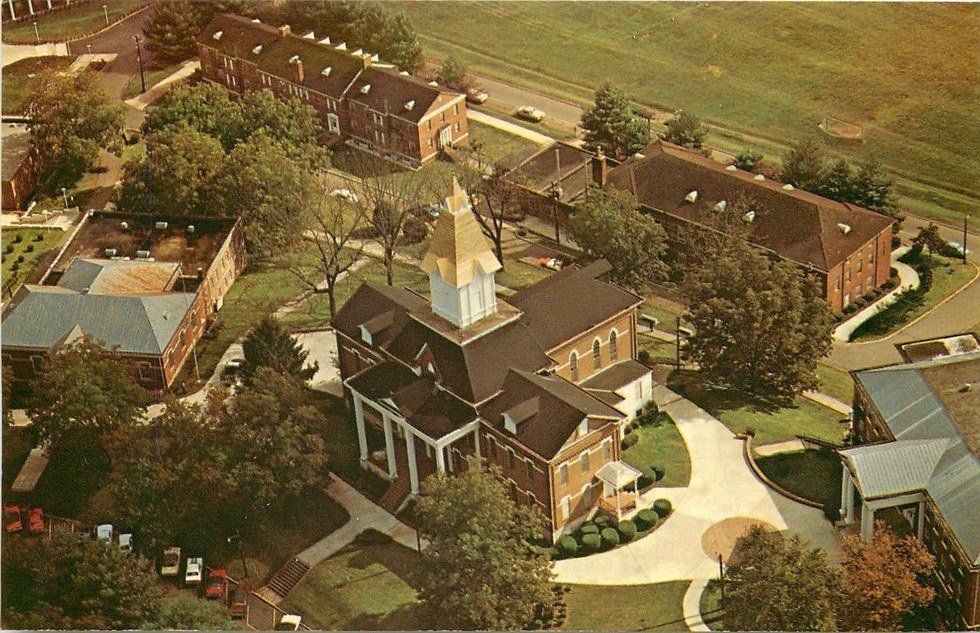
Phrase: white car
x=104 y=533
x=289 y=622
x=171 y=562
x=195 y=567
x=530 y=113
x=126 y=542
x=477 y=96
x=344 y=194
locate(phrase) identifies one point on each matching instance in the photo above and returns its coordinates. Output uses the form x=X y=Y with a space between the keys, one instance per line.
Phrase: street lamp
x=139 y=56
x=37 y=36
x=64 y=194
x=88 y=48
x=965 y=218
x=105 y=10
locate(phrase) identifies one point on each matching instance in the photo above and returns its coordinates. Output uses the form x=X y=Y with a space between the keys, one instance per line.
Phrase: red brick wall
x=625 y=326
x=863 y=271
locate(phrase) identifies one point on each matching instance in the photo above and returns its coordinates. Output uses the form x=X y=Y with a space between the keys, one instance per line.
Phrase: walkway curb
x=691 y=605
x=750 y=459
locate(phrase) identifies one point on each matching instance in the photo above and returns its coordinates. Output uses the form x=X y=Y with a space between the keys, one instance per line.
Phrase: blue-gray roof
x=932 y=450
x=43 y=316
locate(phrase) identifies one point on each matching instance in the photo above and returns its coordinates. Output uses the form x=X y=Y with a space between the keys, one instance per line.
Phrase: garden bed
x=814 y=474
x=604 y=533
x=26 y=247
x=659 y=446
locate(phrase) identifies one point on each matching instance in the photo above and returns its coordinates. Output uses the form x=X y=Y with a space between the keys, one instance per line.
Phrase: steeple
x=460 y=263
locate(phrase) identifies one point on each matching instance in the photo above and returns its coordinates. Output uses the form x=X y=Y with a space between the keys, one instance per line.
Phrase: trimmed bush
x=591 y=542
x=659 y=471
x=38 y=238
x=603 y=520
x=662 y=507
x=646 y=519
x=18 y=238
x=648 y=477
x=610 y=538
x=627 y=531
x=20 y=259
x=643 y=356
x=29 y=248
x=567 y=546
x=589 y=528
x=630 y=440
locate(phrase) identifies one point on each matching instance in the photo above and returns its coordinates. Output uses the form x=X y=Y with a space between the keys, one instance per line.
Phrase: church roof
x=458 y=246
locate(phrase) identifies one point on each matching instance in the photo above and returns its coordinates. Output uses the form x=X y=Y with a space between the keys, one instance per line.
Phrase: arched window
x=613 y=346
x=596 y=354
x=573 y=366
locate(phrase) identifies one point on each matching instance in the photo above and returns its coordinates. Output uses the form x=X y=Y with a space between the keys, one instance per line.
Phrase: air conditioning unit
x=142 y=254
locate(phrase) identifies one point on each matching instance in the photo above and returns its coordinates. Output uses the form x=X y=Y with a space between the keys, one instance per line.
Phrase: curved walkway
x=909 y=280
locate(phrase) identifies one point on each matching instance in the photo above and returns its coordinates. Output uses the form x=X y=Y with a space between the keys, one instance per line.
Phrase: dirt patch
x=720 y=538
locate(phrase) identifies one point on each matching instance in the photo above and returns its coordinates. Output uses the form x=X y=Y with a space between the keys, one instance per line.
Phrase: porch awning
x=894 y=468
x=618 y=474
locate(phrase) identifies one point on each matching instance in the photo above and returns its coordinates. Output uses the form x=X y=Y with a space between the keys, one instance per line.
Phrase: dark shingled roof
x=799 y=226
x=570 y=302
x=539 y=172
x=561 y=408
x=615 y=376
x=391 y=91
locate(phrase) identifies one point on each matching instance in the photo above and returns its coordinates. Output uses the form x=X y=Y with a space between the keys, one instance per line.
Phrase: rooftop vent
x=788 y=187
x=692 y=197
x=124 y=226
x=357 y=53
x=759 y=177
x=217 y=35
x=731 y=168
x=375 y=58
x=110 y=252
x=366 y=88
x=190 y=228
x=326 y=71
x=309 y=36
x=844 y=228
x=748 y=217
x=410 y=104
x=325 y=41
x=161 y=225
x=640 y=156
x=341 y=47
x=721 y=206
x=433 y=83
x=257 y=50
x=966 y=387
x=294 y=59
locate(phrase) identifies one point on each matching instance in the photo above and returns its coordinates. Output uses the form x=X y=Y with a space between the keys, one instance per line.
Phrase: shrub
x=630 y=440
x=643 y=356
x=662 y=507
x=646 y=519
x=610 y=538
x=38 y=238
x=659 y=471
x=603 y=520
x=896 y=241
x=591 y=542
x=589 y=528
x=831 y=511
x=18 y=238
x=20 y=259
x=627 y=531
x=567 y=546
x=648 y=477
x=750 y=431
x=9 y=249
x=29 y=248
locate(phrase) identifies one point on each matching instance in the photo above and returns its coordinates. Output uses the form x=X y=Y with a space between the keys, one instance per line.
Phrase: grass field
x=153 y=77
x=620 y=608
x=813 y=474
x=68 y=23
x=33 y=244
x=663 y=446
x=17 y=76
x=836 y=382
x=500 y=146
x=763 y=73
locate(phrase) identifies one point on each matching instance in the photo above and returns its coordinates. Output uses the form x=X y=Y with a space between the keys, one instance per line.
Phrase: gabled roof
x=617 y=375
x=391 y=92
x=798 y=225
x=540 y=171
x=114 y=277
x=895 y=468
x=45 y=316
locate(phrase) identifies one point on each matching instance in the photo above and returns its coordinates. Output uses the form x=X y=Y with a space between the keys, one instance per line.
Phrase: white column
x=49 y=5
x=440 y=459
x=10 y=3
x=30 y=7
x=476 y=442
x=389 y=445
x=847 y=497
x=359 y=417
x=920 y=528
x=413 y=473
x=867 y=520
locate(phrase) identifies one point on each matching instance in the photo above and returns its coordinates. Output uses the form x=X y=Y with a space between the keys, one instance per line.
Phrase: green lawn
x=626 y=608
x=517 y=274
x=711 y=613
x=69 y=23
x=17 y=444
x=835 y=382
x=805 y=417
x=948 y=276
x=663 y=446
x=17 y=76
x=369 y=585
x=153 y=77
x=32 y=245
x=813 y=474
x=763 y=74
x=500 y=146
x=660 y=351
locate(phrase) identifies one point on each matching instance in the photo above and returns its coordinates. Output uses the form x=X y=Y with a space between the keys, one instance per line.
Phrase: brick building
x=539 y=384
x=21 y=166
x=114 y=285
x=360 y=99
x=847 y=247
x=916 y=469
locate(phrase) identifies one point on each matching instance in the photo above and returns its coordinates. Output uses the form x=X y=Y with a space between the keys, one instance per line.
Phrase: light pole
x=105 y=10
x=556 y=194
x=88 y=48
x=139 y=56
x=37 y=36
x=64 y=194
x=965 y=218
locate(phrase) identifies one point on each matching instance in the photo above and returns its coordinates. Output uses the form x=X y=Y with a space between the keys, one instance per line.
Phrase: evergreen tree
x=389 y=33
x=872 y=189
x=171 y=30
x=611 y=124
x=271 y=345
x=805 y=163
x=452 y=73
x=747 y=159
x=686 y=130
x=838 y=182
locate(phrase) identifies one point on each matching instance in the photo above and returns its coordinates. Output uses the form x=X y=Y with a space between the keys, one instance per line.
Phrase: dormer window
x=410 y=105
x=309 y=36
x=366 y=88
x=341 y=47
x=356 y=53
x=257 y=50
x=583 y=428
x=748 y=217
x=326 y=71
x=721 y=206
x=294 y=59
x=844 y=228
x=788 y=187
x=217 y=35
x=325 y=41
x=510 y=424
x=692 y=197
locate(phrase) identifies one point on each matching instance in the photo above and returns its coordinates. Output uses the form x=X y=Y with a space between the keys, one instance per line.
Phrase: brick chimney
x=600 y=169
x=366 y=58
x=299 y=71
x=284 y=30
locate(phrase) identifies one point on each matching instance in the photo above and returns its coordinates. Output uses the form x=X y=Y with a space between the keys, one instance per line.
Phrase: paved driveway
x=722 y=488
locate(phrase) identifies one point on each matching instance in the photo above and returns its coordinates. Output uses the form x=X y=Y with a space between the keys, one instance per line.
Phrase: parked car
x=217 y=583
x=195 y=566
x=238 y=608
x=477 y=96
x=425 y=211
x=35 y=521
x=530 y=113
x=170 y=564
x=126 y=542
x=344 y=194
x=289 y=622
x=12 y=519
x=104 y=533
x=231 y=370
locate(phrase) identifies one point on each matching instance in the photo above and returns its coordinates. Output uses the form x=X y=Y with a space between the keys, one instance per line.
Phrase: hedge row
x=603 y=533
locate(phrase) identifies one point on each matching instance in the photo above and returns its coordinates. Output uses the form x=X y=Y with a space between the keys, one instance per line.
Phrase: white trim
x=429 y=115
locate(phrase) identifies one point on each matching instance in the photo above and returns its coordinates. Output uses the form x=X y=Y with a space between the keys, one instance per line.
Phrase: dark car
x=12 y=519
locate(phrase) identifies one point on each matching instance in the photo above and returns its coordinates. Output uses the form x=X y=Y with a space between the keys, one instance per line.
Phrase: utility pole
x=721 y=575
x=677 y=341
x=105 y=10
x=139 y=56
x=64 y=194
x=37 y=36
x=965 y=218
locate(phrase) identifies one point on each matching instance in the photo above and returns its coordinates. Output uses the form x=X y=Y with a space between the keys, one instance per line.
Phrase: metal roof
x=894 y=468
x=618 y=474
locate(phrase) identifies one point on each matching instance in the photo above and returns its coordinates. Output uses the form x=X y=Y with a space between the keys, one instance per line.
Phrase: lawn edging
x=84 y=35
x=750 y=458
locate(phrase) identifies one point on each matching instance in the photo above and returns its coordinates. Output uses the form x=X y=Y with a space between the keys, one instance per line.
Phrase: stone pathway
x=829 y=401
x=140 y=102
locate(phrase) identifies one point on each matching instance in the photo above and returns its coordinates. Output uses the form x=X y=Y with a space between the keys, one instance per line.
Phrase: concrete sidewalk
x=507 y=126
x=909 y=281
x=829 y=401
x=140 y=102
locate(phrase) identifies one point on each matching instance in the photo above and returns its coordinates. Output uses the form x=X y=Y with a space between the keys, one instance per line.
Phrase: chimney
x=299 y=71
x=600 y=169
x=366 y=58
x=284 y=30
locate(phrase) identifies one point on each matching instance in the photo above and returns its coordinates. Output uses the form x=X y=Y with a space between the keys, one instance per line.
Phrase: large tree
x=805 y=164
x=271 y=345
x=873 y=189
x=72 y=116
x=174 y=25
x=686 y=130
x=480 y=570
x=609 y=224
x=760 y=325
x=453 y=74
x=837 y=183
x=775 y=584
x=612 y=125
x=85 y=390
x=206 y=107
x=886 y=577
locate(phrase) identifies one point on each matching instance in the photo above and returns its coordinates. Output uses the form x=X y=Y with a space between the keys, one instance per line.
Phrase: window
x=456 y=109
x=457 y=126
x=583 y=462
x=429 y=125
x=430 y=142
x=613 y=346
x=607 y=450
x=333 y=123
x=443 y=116
x=860 y=264
x=639 y=390
x=565 y=506
x=596 y=354
x=573 y=366
x=857 y=290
